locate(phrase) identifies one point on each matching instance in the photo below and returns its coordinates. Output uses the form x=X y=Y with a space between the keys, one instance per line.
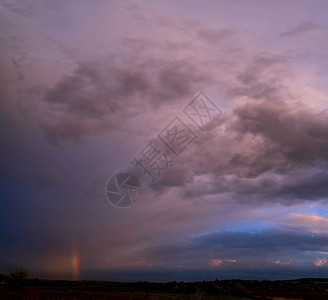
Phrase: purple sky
x=85 y=85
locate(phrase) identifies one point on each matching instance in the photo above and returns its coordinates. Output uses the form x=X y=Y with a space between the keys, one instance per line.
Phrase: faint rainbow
x=76 y=263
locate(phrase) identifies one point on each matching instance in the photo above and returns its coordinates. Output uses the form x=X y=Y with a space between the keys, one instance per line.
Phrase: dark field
x=218 y=289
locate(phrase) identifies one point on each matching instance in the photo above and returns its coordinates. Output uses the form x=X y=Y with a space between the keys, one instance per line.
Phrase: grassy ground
x=220 y=289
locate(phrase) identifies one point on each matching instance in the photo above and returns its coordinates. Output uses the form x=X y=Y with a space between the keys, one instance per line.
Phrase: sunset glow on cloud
x=86 y=85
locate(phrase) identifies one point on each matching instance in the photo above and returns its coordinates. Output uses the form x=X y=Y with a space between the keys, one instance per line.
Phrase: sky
x=88 y=88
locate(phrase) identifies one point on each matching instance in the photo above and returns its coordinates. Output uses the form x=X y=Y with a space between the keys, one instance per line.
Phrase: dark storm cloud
x=299 y=134
x=94 y=97
x=269 y=147
x=267 y=151
x=262 y=78
x=301 y=28
x=176 y=80
x=98 y=96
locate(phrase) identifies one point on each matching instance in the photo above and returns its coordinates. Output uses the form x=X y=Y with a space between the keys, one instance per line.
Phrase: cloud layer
x=84 y=87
